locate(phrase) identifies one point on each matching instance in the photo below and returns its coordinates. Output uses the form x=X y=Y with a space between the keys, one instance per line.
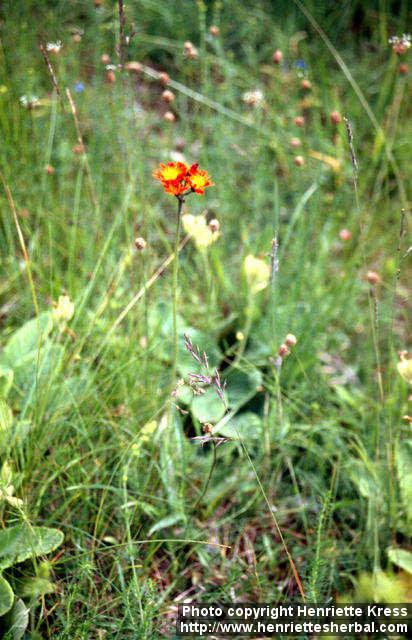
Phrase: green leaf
x=22 y=542
x=401 y=558
x=6 y=596
x=404 y=472
x=6 y=381
x=26 y=339
x=6 y=418
x=208 y=407
x=17 y=620
x=169 y=521
x=248 y=425
x=35 y=586
x=242 y=386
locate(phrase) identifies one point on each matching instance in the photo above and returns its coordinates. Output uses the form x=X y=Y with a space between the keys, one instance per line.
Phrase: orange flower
x=173 y=177
x=178 y=179
x=199 y=179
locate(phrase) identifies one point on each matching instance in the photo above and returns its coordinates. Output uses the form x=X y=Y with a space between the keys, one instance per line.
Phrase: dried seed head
x=345 y=235
x=110 y=76
x=105 y=58
x=306 y=85
x=299 y=161
x=373 y=278
x=299 y=121
x=49 y=169
x=283 y=350
x=164 y=78
x=169 y=116
x=295 y=143
x=335 y=117
x=214 y=225
x=168 y=96
x=290 y=340
x=277 y=56
x=140 y=244
x=133 y=67
x=403 y=69
x=214 y=30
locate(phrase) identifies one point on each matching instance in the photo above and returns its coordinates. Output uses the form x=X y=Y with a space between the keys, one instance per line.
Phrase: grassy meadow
x=136 y=473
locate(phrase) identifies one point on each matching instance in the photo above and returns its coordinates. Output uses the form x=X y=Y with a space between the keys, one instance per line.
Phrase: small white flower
x=28 y=101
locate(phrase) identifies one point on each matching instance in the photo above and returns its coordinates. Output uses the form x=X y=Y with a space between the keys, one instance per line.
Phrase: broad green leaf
x=208 y=407
x=6 y=596
x=22 y=542
x=242 y=386
x=401 y=557
x=26 y=339
x=248 y=425
x=17 y=620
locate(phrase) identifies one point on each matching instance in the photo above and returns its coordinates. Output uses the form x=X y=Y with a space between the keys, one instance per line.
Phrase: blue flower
x=300 y=64
x=79 y=87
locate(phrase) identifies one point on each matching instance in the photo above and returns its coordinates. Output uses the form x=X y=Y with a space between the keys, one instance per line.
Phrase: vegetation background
x=89 y=442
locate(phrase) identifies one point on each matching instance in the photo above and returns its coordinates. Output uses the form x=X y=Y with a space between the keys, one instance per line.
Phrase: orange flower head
x=178 y=179
x=199 y=179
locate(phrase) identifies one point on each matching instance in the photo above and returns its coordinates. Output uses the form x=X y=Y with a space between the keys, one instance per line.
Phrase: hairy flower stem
x=209 y=477
x=174 y=289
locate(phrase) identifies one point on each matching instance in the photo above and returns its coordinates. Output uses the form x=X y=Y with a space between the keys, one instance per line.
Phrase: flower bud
x=345 y=235
x=169 y=116
x=277 y=56
x=291 y=340
x=76 y=38
x=214 y=30
x=105 y=58
x=283 y=350
x=133 y=67
x=214 y=225
x=335 y=117
x=49 y=169
x=373 y=278
x=110 y=76
x=403 y=69
x=168 y=96
x=299 y=121
x=306 y=85
x=140 y=244
x=299 y=161
x=295 y=143
x=164 y=78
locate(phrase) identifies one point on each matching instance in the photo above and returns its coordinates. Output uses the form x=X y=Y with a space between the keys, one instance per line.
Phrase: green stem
x=205 y=488
x=174 y=290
